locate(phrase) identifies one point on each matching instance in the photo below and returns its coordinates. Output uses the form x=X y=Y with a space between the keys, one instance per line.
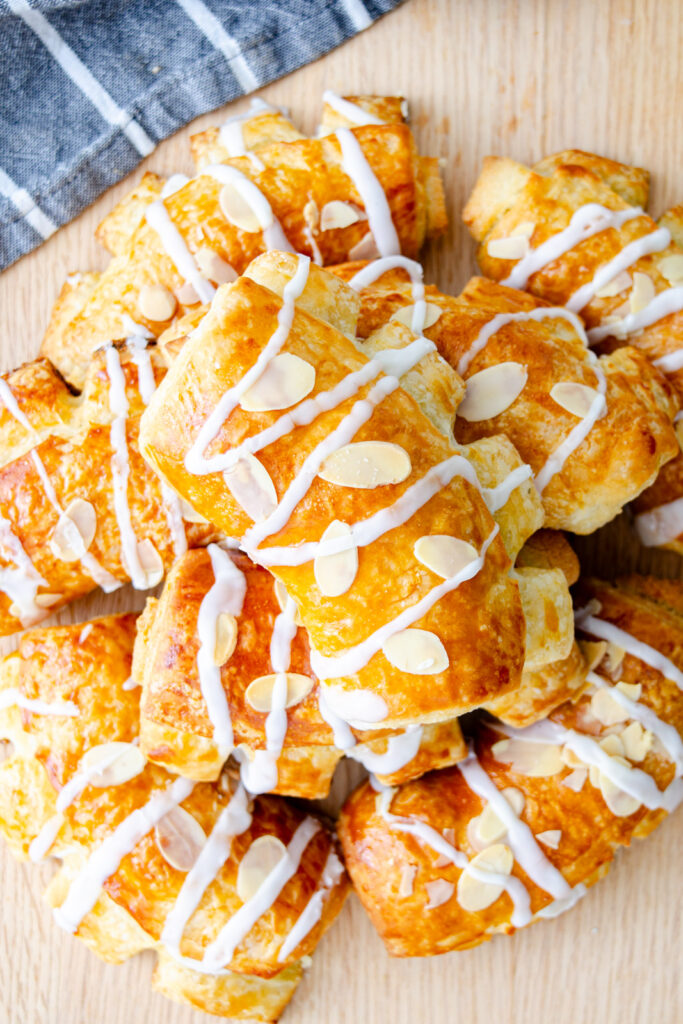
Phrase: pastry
x=519 y=830
x=232 y=893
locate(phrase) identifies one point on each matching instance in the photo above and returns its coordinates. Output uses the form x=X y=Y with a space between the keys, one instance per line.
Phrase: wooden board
x=522 y=79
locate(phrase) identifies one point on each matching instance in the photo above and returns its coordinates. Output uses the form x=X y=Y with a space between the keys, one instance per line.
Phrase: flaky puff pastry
x=585 y=479
x=79 y=507
x=533 y=817
x=208 y=230
x=181 y=723
x=474 y=627
x=120 y=886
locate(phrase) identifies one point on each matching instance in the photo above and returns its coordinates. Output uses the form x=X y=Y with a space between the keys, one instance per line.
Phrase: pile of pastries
x=350 y=489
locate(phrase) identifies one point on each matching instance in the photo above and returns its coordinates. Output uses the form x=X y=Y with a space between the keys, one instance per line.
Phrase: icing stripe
x=638 y=649
x=661 y=525
x=656 y=241
x=312 y=912
x=351 y=111
x=664 y=304
x=371 y=192
x=401 y=750
x=665 y=733
x=12 y=697
x=500 y=320
x=175 y=246
x=273 y=235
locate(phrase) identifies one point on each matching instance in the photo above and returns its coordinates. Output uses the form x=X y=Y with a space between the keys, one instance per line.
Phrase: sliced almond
x=550 y=838
x=214 y=267
x=179 y=838
x=118 y=762
x=151 y=562
x=405 y=314
x=186 y=295
x=538 y=760
x=642 y=293
x=576 y=780
x=614 y=660
x=487 y=827
x=594 y=775
x=407 y=881
x=416 y=651
x=636 y=741
x=515 y=247
x=606 y=709
x=226 y=638
x=366 y=464
x=75 y=531
x=189 y=514
x=439 y=892
x=284 y=382
x=570 y=758
x=671 y=267
x=237 y=210
x=575 y=398
x=616 y=286
x=612 y=745
x=338 y=214
x=47 y=600
x=156 y=303
x=282 y=598
x=631 y=690
x=366 y=249
x=250 y=485
x=474 y=895
x=264 y=854
x=334 y=574
x=489 y=392
x=444 y=555
x=593 y=651
x=621 y=804
x=311 y=214
x=259 y=693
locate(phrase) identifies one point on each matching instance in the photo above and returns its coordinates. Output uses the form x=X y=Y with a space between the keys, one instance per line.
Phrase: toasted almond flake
x=612 y=745
x=226 y=638
x=338 y=214
x=366 y=464
x=259 y=693
x=156 y=303
x=621 y=804
x=47 y=600
x=642 y=293
x=575 y=780
x=264 y=854
x=237 y=210
x=550 y=838
x=537 y=760
x=179 y=838
x=75 y=531
x=487 y=827
x=334 y=574
x=570 y=758
x=311 y=214
x=416 y=651
x=593 y=651
x=574 y=397
x=366 y=249
x=515 y=247
x=636 y=741
x=189 y=514
x=120 y=763
x=439 y=892
x=671 y=267
x=444 y=555
x=186 y=295
x=489 y=392
x=282 y=597
x=404 y=315
x=250 y=485
x=614 y=660
x=407 y=881
x=606 y=709
x=616 y=286
x=594 y=775
x=214 y=267
x=151 y=562
x=631 y=690
x=285 y=381
x=474 y=895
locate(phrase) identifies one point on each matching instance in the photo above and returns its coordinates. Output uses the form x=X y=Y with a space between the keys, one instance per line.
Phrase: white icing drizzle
x=221 y=951
x=85 y=889
x=195 y=461
x=671 y=362
x=342 y=737
x=371 y=192
x=312 y=912
x=660 y=525
x=261 y=774
x=225 y=595
x=174 y=184
x=273 y=235
x=587 y=221
x=232 y=821
x=174 y=244
x=351 y=111
x=20 y=584
x=231 y=135
x=500 y=320
x=656 y=241
x=355 y=658
x=11 y=697
x=667 y=735
x=130 y=684
x=520 y=838
x=400 y=751
x=424 y=833
x=497 y=497
x=664 y=304
x=607 y=631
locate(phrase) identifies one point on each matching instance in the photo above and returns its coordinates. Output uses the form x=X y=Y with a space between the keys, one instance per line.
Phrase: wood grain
x=522 y=79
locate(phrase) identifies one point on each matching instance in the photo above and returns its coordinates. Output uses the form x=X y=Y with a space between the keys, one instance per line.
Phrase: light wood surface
x=522 y=79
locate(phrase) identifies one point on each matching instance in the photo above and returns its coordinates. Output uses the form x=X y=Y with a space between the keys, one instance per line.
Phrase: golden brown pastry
x=531 y=376
x=261 y=124
x=231 y=892
x=533 y=817
x=79 y=508
x=402 y=632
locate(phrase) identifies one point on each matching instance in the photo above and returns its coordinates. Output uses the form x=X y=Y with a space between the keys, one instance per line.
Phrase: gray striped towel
x=89 y=87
